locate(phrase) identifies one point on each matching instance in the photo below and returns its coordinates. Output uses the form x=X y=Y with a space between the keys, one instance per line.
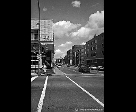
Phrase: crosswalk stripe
x=39 y=108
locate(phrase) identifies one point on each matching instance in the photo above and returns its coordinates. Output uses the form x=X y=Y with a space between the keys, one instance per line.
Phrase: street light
x=39 y=38
x=40 y=60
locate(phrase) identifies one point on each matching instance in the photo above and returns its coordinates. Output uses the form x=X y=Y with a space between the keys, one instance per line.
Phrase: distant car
x=68 y=65
x=93 y=69
x=100 y=68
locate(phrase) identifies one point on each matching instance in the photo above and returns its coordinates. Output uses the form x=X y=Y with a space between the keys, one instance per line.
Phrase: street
x=67 y=91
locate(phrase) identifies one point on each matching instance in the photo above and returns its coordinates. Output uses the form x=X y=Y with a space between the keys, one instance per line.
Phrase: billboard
x=46 y=29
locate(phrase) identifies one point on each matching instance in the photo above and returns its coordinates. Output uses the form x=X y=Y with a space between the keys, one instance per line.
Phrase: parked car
x=93 y=69
x=83 y=68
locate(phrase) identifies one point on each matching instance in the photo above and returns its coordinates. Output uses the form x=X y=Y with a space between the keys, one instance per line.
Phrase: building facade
x=66 y=59
x=69 y=57
x=34 y=50
x=82 y=55
x=75 y=54
x=94 y=49
x=42 y=47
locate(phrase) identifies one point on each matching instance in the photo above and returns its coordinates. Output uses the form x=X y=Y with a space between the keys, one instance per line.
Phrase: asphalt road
x=67 y=91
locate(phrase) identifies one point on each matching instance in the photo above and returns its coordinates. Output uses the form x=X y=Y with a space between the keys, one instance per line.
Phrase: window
x=102 y=45
x=94 y=61
x=82 y=50
x=95 y=47
x=93 y=54
x=88 y=50
x=95 y=41
x=91 y=48
x=88 y=44
x=92 y=43
x=103 y=52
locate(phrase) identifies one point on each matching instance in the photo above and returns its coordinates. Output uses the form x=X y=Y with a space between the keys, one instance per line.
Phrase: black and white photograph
x=67 y=55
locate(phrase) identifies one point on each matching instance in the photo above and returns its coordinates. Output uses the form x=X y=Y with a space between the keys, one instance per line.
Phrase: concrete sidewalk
x=74 y=68
x=94 y=73
x=57 y=71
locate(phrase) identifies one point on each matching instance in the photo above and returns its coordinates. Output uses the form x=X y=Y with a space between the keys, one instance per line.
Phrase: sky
x=75 y=21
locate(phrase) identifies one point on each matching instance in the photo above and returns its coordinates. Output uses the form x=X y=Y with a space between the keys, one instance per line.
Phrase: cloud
x=95 y=25
x=62 y=28
x=63 y=55
x=44 y=9
x=83 y=43
x=96 y=20
x=58 y=51
x=94 y=5
x=76 y=3
x=68 y=42
x=63 y=45
x=82 y=32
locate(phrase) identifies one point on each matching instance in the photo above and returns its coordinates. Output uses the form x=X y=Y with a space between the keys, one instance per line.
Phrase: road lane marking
x=33 y=78
x=39 y=108
x=97 y=100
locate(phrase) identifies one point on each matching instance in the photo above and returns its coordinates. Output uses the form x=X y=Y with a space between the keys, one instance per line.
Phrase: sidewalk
x=94 y=73
x=73 y=67
x=57 y=71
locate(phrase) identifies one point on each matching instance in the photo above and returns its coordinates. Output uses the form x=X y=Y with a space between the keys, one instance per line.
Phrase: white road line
x=33 y=78
x=39 y=108
x=86 y=91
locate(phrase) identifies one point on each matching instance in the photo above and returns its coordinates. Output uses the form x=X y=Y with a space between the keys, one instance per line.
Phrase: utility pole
x=39 y=39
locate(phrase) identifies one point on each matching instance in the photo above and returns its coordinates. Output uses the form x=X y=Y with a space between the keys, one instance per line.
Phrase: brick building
x=76 y=54
x=82 y=55
x=69 y=57
x=66 y=59
x=94 y=50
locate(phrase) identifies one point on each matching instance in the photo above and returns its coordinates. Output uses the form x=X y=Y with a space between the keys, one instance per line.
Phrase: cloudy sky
x=75 y=21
